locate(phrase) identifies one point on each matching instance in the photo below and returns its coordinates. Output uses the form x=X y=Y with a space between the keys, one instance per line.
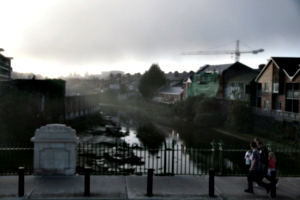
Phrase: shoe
x=256 y=186
x=268 y=188
x=249 y=191
x=277 y=182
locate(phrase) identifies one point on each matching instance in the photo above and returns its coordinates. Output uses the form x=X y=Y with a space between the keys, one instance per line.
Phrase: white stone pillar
x=55 y=150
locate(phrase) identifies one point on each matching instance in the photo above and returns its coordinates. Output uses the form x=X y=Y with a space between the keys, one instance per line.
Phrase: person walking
x=271 y=167
x=255 y=172
x=264 y=157
x=248 y=157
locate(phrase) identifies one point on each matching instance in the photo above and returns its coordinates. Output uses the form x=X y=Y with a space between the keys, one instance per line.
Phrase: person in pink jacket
x=271 y=166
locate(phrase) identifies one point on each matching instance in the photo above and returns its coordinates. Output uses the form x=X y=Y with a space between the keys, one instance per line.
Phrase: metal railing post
x=211 y=183
x=150 y=183
x=220 y=157
x=87 y=181
x=21 y=182
x=273 y=184
x=173 y=146
x=165 y=158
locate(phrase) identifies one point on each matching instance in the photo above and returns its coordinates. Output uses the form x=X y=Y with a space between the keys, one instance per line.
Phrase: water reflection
x=131 y=138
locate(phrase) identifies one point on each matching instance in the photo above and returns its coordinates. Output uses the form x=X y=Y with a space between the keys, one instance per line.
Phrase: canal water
x=182 y=142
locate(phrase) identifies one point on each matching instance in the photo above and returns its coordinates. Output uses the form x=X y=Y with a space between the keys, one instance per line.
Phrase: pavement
x=135 y=187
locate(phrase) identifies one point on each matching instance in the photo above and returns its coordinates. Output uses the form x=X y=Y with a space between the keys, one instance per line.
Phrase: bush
x=240 y=117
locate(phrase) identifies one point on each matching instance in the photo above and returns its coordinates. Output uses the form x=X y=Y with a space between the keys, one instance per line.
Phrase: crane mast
x=236 y=52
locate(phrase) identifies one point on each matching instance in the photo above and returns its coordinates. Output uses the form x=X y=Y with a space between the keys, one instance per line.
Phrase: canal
x=182 y=157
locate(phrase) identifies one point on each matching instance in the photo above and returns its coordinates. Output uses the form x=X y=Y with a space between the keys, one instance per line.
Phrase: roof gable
x=290 y=66
x=219 y=68
x=214 y=68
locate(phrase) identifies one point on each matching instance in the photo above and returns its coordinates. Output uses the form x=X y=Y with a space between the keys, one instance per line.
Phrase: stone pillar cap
x=55 y=132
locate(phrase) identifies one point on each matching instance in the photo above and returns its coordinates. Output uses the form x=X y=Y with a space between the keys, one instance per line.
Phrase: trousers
x=256 y=176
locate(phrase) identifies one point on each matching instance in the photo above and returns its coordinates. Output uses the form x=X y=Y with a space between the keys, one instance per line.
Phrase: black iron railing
x=169 y=159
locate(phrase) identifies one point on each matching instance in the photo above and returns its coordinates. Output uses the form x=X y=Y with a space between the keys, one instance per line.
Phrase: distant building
x=76 y=87
x=167 y=94
x=176 y=79
x=226 y=81
x=107 y=74
x=5 y=68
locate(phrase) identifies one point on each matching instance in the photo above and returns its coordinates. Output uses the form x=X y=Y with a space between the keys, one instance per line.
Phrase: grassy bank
x=164 y=114
x=266 y=139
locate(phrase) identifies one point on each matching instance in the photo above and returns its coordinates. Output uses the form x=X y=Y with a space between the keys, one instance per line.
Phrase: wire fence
x=169 y=159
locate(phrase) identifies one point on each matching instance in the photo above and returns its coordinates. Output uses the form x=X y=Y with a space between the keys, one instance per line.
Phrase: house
x=186 y=85
x=278 y=87
x=176 y=79
x=226 y=81
x=5 y=68
x=168 y=94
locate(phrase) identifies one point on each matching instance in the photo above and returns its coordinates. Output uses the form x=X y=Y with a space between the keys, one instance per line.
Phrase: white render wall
x=54 y=150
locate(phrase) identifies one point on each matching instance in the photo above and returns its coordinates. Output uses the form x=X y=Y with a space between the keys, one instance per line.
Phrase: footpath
x=135 y=187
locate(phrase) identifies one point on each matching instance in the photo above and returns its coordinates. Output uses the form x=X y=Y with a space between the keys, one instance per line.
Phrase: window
x=266 y=105
x=275 y=87
x=266 y=87
x=292 y=91
x=278 y=105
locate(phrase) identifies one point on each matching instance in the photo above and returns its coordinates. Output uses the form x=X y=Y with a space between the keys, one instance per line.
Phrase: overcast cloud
x=56 y=38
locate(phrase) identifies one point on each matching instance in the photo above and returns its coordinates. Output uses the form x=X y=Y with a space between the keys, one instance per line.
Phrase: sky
x=58 y=37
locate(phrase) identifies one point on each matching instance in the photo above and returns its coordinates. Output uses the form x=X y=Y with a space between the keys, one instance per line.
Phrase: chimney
x=261 y=66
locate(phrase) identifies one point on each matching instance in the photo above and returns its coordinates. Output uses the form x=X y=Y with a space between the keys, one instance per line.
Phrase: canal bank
x=250 y=137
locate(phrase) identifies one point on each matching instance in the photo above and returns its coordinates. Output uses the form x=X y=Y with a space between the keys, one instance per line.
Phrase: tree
x=151 y=80
x=176 y=73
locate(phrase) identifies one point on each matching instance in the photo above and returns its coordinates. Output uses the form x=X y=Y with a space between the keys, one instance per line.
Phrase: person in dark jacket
x=264 y=154
x=255 y=172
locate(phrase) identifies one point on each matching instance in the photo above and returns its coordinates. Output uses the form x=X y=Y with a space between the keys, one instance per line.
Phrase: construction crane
x=236 y=52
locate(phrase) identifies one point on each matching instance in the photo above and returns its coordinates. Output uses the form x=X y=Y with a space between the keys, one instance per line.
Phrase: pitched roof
x=180 y=76
x=243 y=78
x=170 y=90
x=216 y=68
x=290 y=66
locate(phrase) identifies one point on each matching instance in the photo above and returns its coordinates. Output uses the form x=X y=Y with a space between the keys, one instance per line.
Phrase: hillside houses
x=273 y=89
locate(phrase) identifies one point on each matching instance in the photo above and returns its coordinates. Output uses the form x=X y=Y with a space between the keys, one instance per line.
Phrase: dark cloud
x=75 y=33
